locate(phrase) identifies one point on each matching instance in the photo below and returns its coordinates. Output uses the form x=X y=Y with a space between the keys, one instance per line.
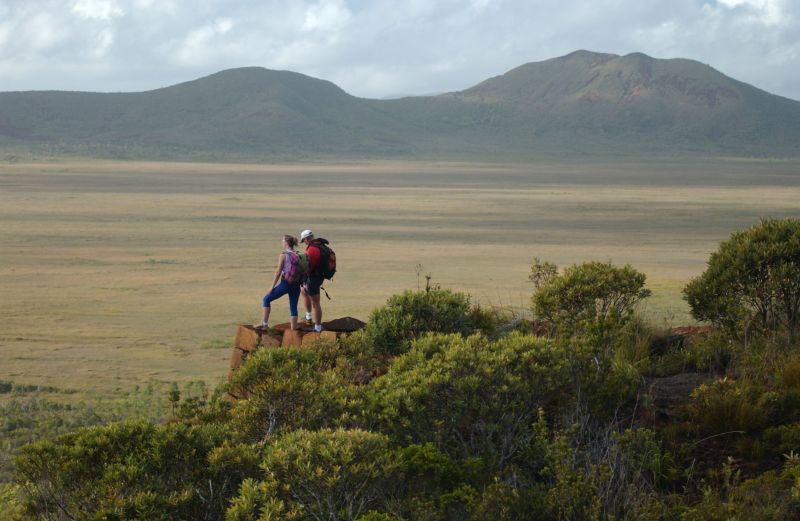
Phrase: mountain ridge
x=583 y=103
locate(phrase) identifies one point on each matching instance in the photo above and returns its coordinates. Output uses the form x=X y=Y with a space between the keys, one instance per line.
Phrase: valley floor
x=114 y=274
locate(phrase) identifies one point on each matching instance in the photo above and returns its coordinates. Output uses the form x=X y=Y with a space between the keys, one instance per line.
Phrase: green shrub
x=614 y=476
x=411 y=314
x=430 y=485
x=635 y=343
x=780 y=406
x=377 y=516
x=10 y=508
x=768 y=496
x=752 y=281
x=472 y=398
x=600 y=381
x=789 y=372
x=542 y=272
x=728 y=405
x=713 y=353
x=504 y=502
x=288 y=389
x=588 y=292
x=353 y=356
x=131 y=471
x=328 y=474
x=782 y=439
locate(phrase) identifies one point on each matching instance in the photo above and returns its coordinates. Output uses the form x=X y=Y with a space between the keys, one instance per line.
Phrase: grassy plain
x=114 y=274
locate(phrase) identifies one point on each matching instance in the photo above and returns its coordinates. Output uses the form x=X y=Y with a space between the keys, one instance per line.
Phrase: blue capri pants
x=282 y=289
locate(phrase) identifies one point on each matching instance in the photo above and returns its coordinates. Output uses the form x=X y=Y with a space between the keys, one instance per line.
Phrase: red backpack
x=327 y=258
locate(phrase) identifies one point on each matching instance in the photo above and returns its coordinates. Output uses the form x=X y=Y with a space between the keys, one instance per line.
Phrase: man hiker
x=311 y=288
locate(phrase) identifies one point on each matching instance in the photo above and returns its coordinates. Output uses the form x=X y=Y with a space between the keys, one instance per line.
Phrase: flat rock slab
x=249 y=339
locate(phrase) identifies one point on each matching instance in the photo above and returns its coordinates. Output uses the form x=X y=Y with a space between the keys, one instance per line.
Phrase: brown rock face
x=249 y=339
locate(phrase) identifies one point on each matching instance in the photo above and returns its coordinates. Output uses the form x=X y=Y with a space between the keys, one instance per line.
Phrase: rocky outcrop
x=250 y=339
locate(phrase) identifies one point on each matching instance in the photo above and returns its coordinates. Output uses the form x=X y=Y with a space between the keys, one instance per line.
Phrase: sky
x=380 y=48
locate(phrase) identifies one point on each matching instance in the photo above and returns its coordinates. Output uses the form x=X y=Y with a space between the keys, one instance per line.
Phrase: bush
x=612 y=477
x=782 y=439
x=503 y=502
x=318 y=475
x=727 y=405
x=471 y=397
x=288 y=389
x=132 y=471
x=768 y=496
x=352 y=356
x=590 y=292
x=789 y=372
x=752 y=281
x=602 y=383
x=10 y=509
x=413 y=313
x=714 y=353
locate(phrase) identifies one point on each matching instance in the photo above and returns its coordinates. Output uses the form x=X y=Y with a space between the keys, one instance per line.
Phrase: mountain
x=584 y=103
x=247 y=111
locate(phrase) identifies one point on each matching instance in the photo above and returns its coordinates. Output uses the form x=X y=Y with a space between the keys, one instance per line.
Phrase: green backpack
x=302 y=267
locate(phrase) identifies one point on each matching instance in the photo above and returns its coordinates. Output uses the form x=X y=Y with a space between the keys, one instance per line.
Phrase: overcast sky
x=380 y=48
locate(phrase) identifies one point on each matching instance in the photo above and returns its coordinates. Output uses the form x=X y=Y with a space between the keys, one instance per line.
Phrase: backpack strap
x=326 y=292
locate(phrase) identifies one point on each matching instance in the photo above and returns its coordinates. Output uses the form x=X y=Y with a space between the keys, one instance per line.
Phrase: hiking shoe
x=308 y=317
x=317 y=328
x=262 y=325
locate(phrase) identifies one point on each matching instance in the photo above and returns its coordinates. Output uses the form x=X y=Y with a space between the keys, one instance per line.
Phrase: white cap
x=305 y=234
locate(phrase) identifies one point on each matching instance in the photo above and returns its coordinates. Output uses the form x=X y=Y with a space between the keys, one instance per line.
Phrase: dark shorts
x=313 y=284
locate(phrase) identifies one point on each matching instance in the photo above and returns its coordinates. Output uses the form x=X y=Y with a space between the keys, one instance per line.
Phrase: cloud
x=767 y=12
x=99 y=9
x=205 y=44
x=379 y=48
x=326 y=15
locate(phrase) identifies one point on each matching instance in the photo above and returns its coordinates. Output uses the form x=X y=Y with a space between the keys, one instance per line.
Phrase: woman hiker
x=287 y=272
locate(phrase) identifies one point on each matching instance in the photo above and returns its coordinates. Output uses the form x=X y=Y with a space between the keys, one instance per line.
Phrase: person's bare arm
x=277 y=272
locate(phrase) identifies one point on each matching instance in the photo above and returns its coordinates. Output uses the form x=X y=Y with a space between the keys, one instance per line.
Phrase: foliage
x=590 y=292
x=726 y=405
x=31 y=413
x=771 y=495
x=601 y=382
x=325 y=474
x=132 y=470
x=288 y=389
x=413 y=313
x=471 y=397
x=781 y=439
x=612 y=477
x=10 y=508
x=352 y=357
x=427 y=484
x=542 y=272
x=502 y=501
x=752 y=280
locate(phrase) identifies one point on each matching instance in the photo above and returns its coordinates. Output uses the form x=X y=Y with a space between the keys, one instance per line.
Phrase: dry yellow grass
x=116 y=273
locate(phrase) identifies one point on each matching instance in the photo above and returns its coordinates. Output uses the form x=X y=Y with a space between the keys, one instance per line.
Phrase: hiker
x=321 y=265
x=288 y=273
